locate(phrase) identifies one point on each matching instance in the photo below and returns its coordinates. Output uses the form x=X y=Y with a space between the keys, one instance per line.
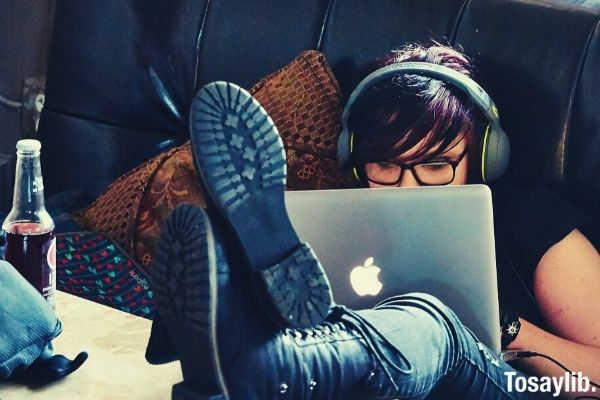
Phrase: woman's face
x=433 y=168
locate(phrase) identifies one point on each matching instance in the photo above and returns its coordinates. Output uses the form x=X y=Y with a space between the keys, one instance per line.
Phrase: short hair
x=394 y=115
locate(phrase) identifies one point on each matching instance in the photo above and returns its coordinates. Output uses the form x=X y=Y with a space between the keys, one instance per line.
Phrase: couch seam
x=457 y=22
x=563 y=145
x=324 y=24
x=199 y=42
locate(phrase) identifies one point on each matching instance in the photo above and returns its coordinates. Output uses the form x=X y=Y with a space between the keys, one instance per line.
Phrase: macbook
x=378 y=243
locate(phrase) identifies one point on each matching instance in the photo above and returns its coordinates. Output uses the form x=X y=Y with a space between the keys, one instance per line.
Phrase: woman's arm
x=566 y=285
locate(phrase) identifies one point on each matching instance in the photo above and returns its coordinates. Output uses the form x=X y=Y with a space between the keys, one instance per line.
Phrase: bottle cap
x=29 y=145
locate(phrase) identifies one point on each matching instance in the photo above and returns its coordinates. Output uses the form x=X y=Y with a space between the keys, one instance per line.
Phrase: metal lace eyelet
x=371 y=377
x=283 y=388
x=312 y=385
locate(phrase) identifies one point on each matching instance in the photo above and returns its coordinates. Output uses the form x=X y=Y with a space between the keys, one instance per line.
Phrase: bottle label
x=33 y=253
x=49 y=271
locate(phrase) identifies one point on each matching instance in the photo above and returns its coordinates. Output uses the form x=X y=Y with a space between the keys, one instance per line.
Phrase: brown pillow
x=174 y=183
x=114 y=213
x=305 y=102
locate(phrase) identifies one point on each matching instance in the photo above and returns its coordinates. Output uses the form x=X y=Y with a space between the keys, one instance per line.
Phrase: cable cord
x=10 y=103
x=516 y=355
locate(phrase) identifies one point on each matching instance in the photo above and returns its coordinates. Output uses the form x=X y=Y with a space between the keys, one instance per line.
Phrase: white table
x=115 y=369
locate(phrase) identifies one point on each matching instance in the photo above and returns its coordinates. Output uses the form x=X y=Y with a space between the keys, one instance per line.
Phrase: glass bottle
x=29 y=228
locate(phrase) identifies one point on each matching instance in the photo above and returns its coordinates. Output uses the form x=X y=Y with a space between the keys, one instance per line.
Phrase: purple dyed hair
x=393 y=116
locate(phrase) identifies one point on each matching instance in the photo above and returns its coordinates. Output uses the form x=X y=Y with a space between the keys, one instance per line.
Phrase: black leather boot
x=229 y=349
x=410 y=346
x=241 y=160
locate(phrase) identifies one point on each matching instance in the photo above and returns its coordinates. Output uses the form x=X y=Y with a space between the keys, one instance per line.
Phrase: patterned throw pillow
x=174 y=183
x=91 y=266
x=114 y=213
x=305 y=102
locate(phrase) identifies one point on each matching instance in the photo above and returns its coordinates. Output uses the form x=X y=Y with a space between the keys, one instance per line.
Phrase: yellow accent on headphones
x=354 y=170
x=484 y=151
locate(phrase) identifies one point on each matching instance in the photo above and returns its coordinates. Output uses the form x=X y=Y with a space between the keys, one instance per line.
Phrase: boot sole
x=241 y=160
x=185 y=284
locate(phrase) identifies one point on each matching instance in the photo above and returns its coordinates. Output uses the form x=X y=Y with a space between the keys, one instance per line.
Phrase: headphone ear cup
x=344 y=149
x=495 y=153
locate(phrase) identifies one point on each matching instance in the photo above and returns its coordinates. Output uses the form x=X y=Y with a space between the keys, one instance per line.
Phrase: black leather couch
x=112 y=62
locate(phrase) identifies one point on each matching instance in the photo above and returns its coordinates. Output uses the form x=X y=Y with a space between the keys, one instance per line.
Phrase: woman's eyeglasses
x=427 y=173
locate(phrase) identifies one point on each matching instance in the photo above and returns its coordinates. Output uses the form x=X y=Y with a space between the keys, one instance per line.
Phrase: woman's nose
x=408 y=179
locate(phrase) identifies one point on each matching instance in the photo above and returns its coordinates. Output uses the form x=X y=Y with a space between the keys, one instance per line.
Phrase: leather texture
x=530 y=56
x=582 y=158
x=538 y=59
x=122 y=73
x=83 y=154
x=359 y=32
x=246 y=40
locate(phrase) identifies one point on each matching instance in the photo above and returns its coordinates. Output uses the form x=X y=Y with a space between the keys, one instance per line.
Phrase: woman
x=242 y=298
x=411 y=130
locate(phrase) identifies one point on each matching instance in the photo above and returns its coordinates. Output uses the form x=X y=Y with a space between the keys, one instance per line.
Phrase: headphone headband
x=445 y=74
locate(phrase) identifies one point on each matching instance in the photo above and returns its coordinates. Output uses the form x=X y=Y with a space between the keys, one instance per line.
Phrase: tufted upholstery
x=122 y=73
x=112 y=61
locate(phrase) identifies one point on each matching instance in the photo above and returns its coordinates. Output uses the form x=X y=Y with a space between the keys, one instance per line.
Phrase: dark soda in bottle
x=29 y=228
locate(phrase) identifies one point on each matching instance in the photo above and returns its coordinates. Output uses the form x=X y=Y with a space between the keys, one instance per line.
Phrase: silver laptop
x=377 y=243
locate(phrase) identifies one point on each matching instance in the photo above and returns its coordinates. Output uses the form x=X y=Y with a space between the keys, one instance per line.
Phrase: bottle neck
x=28 y=196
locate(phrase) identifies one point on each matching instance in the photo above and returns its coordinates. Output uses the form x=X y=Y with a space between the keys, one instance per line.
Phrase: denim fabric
x=27 y=323
x=447 y=360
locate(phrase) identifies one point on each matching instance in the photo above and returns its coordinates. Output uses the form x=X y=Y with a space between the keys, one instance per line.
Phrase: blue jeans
x=27 y=323
x=447 y=360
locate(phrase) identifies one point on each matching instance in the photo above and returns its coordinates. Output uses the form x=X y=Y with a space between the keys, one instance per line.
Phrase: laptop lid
x=377 y=243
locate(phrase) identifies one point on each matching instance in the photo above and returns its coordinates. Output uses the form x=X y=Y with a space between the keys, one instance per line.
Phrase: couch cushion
x=360 y=31
x=115 y=211
x=101 y=53
x=87 y=155
x=242 y=41
x=304 y=101
x=583 y=149
x=104 y=112
x=530 y=57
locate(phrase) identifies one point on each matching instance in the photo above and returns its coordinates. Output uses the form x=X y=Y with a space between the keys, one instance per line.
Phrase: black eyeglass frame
x=411 y=166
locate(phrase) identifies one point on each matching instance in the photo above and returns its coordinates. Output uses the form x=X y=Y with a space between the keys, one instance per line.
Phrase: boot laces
x=364 y=329
x=367 y=331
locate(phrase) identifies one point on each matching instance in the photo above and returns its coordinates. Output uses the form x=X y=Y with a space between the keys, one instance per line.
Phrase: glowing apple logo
x=365 y=278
